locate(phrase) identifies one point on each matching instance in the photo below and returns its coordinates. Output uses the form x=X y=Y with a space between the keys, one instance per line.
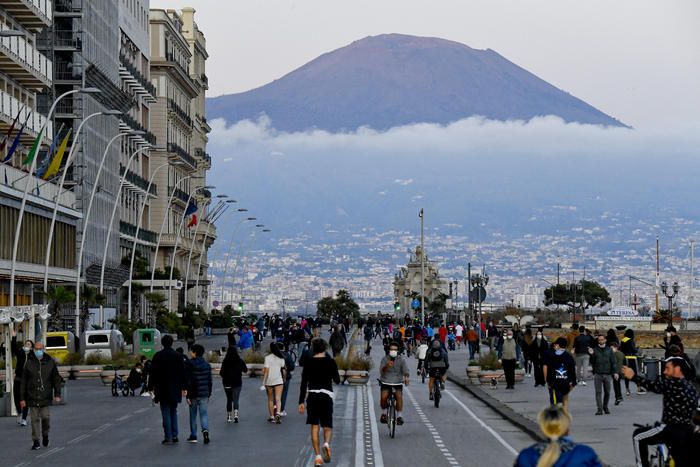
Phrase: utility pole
x=656 y=289
x=692 y=280
x=469 y=287
x=422 y=269
x=557 y=270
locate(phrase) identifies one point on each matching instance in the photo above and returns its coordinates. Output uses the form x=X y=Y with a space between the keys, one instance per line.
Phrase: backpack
x=368 y=332
x=435 y=355
x=397 y=335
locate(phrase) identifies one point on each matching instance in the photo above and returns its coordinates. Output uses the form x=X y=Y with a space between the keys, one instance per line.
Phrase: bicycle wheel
x=422 y=376
x=115 y=390
x=125 y=389
x=391 y=419
x=436 y=396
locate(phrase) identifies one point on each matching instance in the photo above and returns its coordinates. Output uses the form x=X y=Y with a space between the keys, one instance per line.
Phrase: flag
x=16 y=141
x=47 y=159
x=193 y=221
x=33 y=150
x=9 y=132
x=191 y=208
x=56 y=163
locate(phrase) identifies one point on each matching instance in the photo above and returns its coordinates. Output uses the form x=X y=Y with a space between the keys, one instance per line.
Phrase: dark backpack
x=436 y=355
x=397 y=335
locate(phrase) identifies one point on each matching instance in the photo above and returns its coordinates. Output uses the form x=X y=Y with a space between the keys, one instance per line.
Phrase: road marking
x=79 y=438
x=124 y=417
x=436 y=436
x=141 y=410
x=50 y=452
x=484 y=425
x=359 y=428
x=21 y=464
x=378 y=459
x=102 y=428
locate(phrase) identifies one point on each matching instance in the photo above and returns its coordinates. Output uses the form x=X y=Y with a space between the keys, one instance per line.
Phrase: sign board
x=215 y=303
x=415 y=303
x=478 y=294
x=623 y=318
x=623 y=313
x=448 y=303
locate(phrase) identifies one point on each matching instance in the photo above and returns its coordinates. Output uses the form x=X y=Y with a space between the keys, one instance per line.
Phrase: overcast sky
x=636 y=60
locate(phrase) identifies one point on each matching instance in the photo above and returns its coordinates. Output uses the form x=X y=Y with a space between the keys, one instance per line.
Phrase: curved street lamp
x=246 y=256
x=228 y=255
x=189 y=256
x=32 y=166
x=238 y=257
x=218 y=244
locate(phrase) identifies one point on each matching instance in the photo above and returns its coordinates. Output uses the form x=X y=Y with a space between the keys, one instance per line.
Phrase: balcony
x=65 y=40
x=184 y=155
x=129 y=122
x=206 y=193
x=206 y=158
x=9 y=108
x=127 y=68
x=24 y=63
x=68 y=8
x=171 y=58
x=137 y=181
x=129 y=230
x=180 y=112
x=180 y=195
x=32 y=14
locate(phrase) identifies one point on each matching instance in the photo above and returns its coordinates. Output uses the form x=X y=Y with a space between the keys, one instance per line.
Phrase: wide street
x=93 y=428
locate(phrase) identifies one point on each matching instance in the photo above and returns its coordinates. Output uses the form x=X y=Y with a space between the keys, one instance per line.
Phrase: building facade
x=178 y=54
x=407 y=282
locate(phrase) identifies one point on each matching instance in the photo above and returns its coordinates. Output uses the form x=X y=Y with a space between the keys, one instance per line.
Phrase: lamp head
x=158 y=148
x=208 y=187
x=222 y=196
x=259 y=225
x=242 y=210
x=11 y=33
x=230 y=200
x=266 y=230
x=676 y=287
x=136 y=133
x=252 y=219
x=112 y=112
x=91 y=90
x=664 y=287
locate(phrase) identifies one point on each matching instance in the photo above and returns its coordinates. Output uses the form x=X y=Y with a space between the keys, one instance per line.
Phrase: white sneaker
x=283 y=413
x=145 y=394
x=23 y=422
x=583 y=382
x=19 y=419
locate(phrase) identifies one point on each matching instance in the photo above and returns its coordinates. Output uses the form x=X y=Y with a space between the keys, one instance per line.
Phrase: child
x=451 y=340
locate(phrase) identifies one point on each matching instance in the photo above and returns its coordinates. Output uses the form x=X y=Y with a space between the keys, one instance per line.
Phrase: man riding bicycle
x=436 y=363
x=679 y=403
x=393 y=372
x=421 y=352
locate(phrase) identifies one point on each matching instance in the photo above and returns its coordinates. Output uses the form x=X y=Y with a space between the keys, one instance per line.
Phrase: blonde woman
x=274 y=375
x=559 y=450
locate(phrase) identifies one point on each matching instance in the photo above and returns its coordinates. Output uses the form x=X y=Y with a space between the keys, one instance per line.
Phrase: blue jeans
x=200 y=403
x=169 y=413
x=472 y=349
x=285 y=390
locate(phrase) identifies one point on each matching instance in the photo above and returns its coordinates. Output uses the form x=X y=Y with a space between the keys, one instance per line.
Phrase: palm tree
x=57 y=296
x=89 y=296
x=156 y=300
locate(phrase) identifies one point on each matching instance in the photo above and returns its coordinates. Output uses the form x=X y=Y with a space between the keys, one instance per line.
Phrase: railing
x=199 y=152
x=205 y=80
x=179 y=194
x=134 y=125
x=175 y=149
x=25 y=53
x=130 y=230
x=171 y=58
x=65 y=6
x=10 y=107
x=206 y=193
x=137 y=180
x=137 y=75
x=179 y=111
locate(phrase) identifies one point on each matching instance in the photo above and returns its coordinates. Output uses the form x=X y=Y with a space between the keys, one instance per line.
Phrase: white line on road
x=123 y=417
x=79 y=438
x=142 y=410
x=378 y=459
x=484 y=425
x=359 y=428
x=436 y=436
x=50 y=452
x=21 y=464
x=102 y=428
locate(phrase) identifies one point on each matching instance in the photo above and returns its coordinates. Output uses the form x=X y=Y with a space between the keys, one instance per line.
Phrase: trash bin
x=651 y=368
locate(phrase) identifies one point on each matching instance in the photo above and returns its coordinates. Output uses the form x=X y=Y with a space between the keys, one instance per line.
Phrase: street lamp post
x=479 y=283
x=86 y=220
x=189 y=256
x=673 y=292
x=138 y=228
x=13 y=264
x=422 y=269
x=228 y=255
x=69 y=160
x=238 y=257
x=245 y=257
x=111 y=221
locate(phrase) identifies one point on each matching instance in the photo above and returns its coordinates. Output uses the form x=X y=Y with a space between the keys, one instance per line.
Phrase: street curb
x=528 y=426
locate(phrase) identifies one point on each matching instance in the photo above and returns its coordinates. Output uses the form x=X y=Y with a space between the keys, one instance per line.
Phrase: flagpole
x=138 y=227
x=111 y=222
x=228 y=256
x=189 y=257
x=69 y=160
x=177 y=240
x=86 y=220
x=13 y=264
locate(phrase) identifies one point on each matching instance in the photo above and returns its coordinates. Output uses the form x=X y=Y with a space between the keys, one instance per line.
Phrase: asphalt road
x=93 y=428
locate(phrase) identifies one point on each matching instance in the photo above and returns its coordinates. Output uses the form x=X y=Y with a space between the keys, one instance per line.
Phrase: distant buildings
x=407 y=282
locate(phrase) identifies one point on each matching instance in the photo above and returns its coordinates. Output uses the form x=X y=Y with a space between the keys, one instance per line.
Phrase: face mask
x=505 y=335
x=602 y=346
x=539 y=336
x=559 y=352
x=393 y=353
x=509 y=337
x=26 y=349
x=39 y=354
x=668 y=334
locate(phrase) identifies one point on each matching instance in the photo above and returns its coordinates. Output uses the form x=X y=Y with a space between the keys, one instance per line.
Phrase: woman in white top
x=273 y=380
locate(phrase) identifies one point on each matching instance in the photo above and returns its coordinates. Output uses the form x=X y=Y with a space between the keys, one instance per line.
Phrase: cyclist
x=408 y=339
x=436 y=363
x=421 y=352
x=679 y=403
x=393 y=371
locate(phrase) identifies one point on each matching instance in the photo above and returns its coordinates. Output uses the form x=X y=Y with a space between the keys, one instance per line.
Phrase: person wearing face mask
x=560 y=372
x=40 y=383
x=508 y=355
x=538 y=349
x=605 y=369
x=20 y=355
x=670 y=338
x=393 y=371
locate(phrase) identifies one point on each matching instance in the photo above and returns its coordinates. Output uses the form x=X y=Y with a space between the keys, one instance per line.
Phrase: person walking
x=620 y=360
x=232 y=370
x=525 y=346
x=273 y=380
x=40 y=383
x=472 y=339
x=167 y=383
x=145 y=374
x=231 y=337
x=559 y=449
x=560 y=372
x=605 y=369
x=538 y=350
x=628 y=348
x=581 y=348
x=20 y=355
x=289 y=369
x=198 y=383
x=492 y=335
x=508 y=355
x=189 y=337
x=317 y=378
x=337 y=341
x=246 y=339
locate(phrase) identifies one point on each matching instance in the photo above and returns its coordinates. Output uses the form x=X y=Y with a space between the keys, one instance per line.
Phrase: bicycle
x=423 y=373
x=436 y=388
x=390 y=407
x=119 y=384
x=659 y=454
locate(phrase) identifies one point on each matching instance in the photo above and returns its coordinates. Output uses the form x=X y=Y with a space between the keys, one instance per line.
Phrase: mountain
x=393 y=79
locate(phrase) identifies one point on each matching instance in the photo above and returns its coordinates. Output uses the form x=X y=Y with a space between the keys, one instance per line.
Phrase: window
x=55 y=341
x=98 y=339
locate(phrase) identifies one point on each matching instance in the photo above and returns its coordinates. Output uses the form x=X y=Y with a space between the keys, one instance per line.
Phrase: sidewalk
x=610 y=435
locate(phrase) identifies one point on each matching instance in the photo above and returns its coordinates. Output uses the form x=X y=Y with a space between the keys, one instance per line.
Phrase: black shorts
x=319 y=410
x=387 y=387
x=436 y=372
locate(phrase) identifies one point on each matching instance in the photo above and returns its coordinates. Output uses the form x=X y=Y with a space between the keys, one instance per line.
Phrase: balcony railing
x=134 y=125
x=171 y=58
x=137 y=180
x=205 y=80
x=137 y=75
x=179 y=111
x=199 y=152
x=179 y=194
x=184 y=155
x=130 y=230
x=39 y=69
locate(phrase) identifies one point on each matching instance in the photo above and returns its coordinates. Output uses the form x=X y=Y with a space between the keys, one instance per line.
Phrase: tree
x=89 y=296
x=594 y=295
x=57 y=296
x=437 y=306
x=137 y=289
x=342 y=306
x=156 y=300
x=326 y=308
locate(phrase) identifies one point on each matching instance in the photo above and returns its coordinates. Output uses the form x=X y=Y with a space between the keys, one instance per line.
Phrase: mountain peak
x=396 y=79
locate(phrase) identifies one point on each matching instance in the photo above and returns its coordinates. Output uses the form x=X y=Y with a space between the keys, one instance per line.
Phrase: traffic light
x=240 y=306
x=397 y=306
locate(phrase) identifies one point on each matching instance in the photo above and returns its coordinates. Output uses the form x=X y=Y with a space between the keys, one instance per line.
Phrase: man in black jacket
x=167 y=381
x=198 y=384
x=21 y=355
x=40 y=383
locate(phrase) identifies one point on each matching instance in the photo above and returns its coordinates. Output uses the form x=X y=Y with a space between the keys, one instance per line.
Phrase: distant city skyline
x=635 y=60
